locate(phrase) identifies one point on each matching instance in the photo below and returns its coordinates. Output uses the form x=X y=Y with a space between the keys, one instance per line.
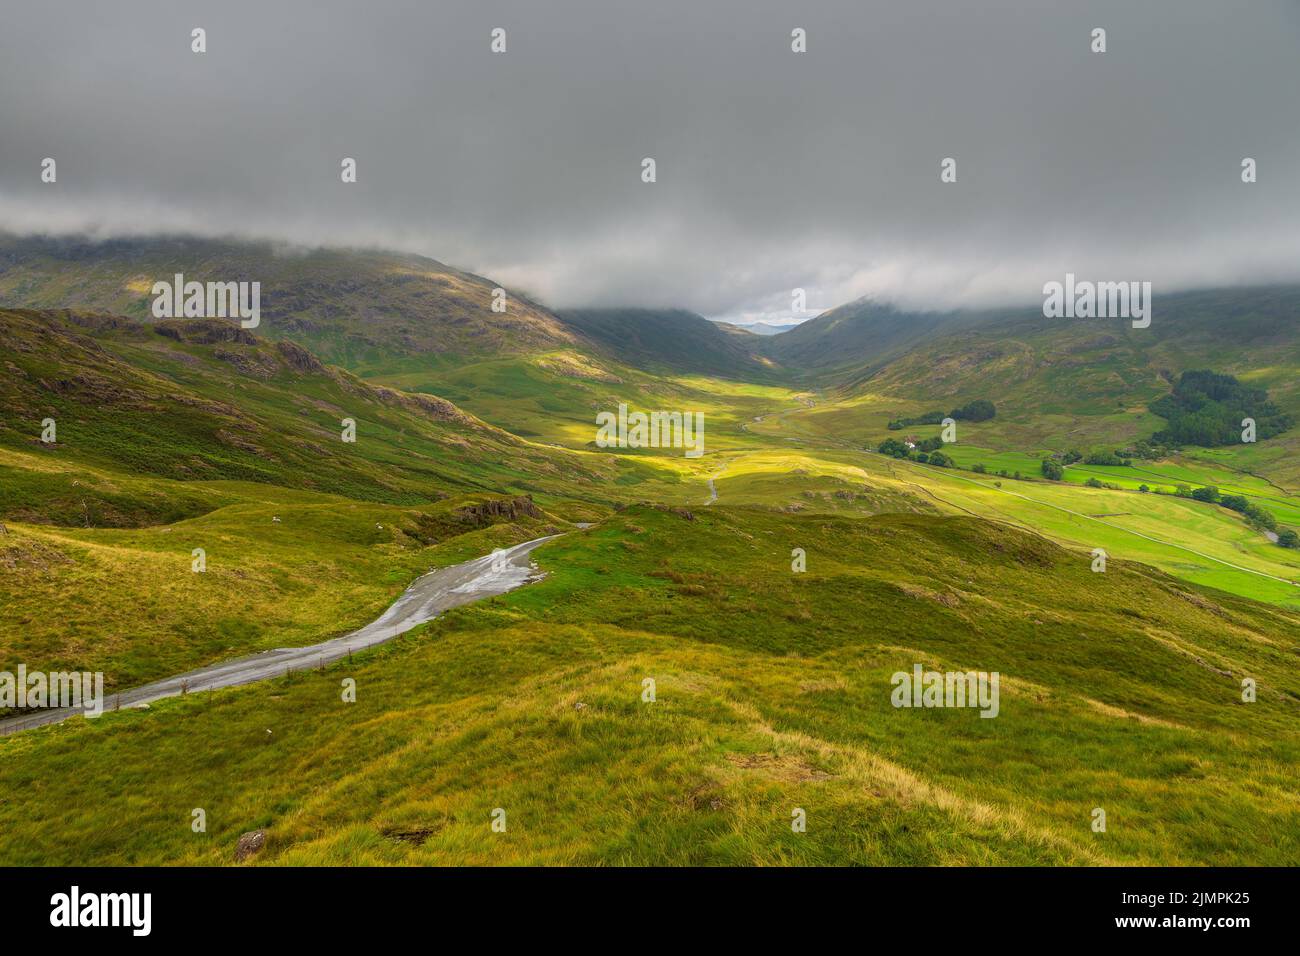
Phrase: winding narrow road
x=425 y=599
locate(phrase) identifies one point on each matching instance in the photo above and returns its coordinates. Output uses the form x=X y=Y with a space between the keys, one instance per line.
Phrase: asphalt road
x=424 y=600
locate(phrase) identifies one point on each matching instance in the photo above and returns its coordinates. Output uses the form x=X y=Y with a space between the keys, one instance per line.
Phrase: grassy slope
x=127 y=602
x=126 y=398
x=672 y=340
x=354 y=308
x=1119 y=690
x=849 y=342
x=1062 y=384
x=1175 y=524
x=1059 y=383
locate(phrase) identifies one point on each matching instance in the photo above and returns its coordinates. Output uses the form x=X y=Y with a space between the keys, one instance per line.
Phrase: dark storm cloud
x=775 y=170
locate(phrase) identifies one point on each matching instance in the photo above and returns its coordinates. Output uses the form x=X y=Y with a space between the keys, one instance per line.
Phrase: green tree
x=980 y=410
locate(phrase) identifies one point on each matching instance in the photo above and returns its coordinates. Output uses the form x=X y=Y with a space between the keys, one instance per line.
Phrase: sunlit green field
x=1198 y=541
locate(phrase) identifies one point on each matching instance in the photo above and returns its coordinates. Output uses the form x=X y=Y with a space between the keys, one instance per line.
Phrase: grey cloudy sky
x=775 y=170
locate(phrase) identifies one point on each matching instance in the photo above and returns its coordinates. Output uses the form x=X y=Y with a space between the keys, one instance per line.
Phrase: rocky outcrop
x=498 y=509
x=298 y=357
x=204 y=331
x=434 y=407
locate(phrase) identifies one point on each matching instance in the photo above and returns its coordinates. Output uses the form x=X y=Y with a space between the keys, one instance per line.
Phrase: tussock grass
x=531 y=702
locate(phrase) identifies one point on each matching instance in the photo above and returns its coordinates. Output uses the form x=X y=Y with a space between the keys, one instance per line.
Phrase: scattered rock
x=230 y=439
x=249 y=843
x=32 y=556
x=916 y=591
x=1205 y=604
x=705 y=795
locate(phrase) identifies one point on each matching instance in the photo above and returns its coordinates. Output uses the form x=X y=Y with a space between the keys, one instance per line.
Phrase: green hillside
x=853 y=340
x=205 y=400
x=354 y=308
x=1090 y=383
x=673 y=340
x=772 y=692
x=1096 y=366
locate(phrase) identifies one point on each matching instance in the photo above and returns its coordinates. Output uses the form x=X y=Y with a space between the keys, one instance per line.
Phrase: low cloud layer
x=776 y=170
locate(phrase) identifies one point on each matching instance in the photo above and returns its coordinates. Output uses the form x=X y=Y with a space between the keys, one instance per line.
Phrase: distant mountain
x=849 y=340
x=360 y=309
x=670 y=339
x=1058 y=364
x=761 y=328
x=768 y=328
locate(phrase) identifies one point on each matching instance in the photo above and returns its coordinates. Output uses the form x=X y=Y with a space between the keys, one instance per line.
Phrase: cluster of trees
x=929 y=418
x=1206 y=408
x=980 y=410
x=1150 y=450
x=980 y=469
x=1114 y=458
x=925 y=452
x=1053 y=468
